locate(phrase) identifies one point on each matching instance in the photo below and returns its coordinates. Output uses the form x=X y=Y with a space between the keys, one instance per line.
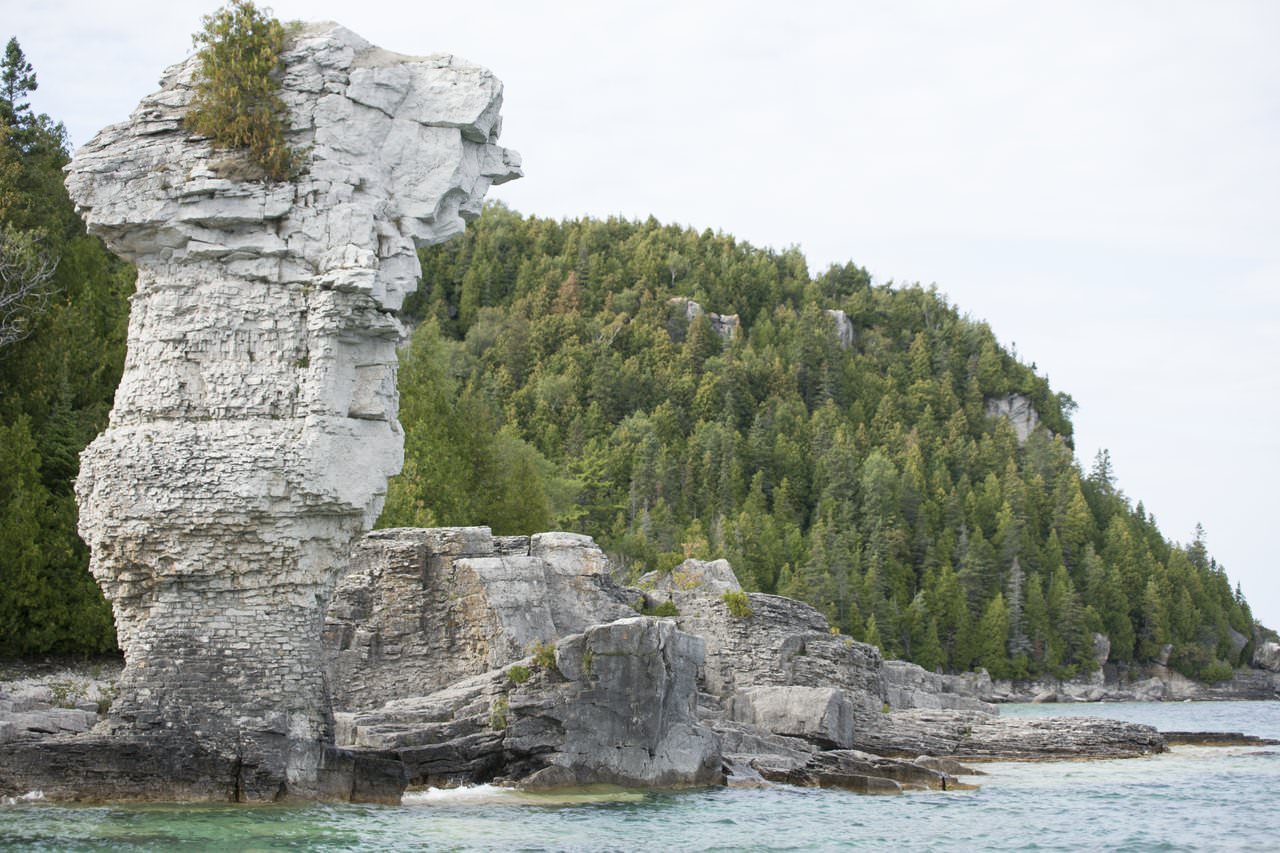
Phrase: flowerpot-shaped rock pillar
x=255 y=426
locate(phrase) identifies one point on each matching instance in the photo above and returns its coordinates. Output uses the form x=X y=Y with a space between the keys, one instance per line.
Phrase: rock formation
x=686 y=310
x=1018 y=410
x=844 y=327
x=617 y=706
x=423 y=609
x=1267 y=656
x=254 y=428
x=429 y=635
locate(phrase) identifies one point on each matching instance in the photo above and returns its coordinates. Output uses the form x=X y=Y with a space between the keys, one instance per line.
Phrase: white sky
x=1098 y=180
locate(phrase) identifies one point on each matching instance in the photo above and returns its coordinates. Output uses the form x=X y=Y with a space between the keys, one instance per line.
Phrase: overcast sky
x=1098 y=180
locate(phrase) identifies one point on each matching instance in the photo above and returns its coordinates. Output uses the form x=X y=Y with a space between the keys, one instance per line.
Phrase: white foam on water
x=28 y=797
x=496 y=794
x=466 y=794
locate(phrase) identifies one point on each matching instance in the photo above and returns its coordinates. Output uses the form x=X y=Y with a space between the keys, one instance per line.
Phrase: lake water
x=1192 y=799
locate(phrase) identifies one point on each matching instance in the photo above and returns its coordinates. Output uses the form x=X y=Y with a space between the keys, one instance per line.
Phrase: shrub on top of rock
x=738 y=603
x=237 y=102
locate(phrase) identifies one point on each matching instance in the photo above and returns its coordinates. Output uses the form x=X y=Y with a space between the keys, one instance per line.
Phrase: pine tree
x=993 y=633
x=17 y=80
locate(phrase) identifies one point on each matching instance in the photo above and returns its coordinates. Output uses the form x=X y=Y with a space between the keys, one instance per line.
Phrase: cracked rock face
x=255 y=426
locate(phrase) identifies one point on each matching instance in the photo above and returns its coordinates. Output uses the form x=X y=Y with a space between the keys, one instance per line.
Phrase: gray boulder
x=910 y=686
x=617 y=708
x=422 y=609
x=1267 y=656
x=821 y=715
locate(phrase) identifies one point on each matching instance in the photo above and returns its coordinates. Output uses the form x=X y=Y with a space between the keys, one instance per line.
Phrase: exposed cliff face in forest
x=255 y=427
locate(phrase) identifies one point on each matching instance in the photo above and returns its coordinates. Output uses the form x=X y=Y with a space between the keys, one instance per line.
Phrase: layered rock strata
x=422 y=609
x=254 y=428
x=617 y=706
x=972 y=735
x=778 y=696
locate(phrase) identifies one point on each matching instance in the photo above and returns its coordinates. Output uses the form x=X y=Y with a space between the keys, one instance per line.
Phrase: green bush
x=667 y=609
x=498 y=713
x=237 y=102
x=544 y=655
x=518 y=674
x=738 y=603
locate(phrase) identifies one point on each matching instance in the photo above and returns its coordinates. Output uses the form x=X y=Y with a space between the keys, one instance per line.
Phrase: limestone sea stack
x=255 y=427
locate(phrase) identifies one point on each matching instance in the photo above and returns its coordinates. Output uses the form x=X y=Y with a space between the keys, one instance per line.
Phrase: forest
x=674 y=394
x=558 y=377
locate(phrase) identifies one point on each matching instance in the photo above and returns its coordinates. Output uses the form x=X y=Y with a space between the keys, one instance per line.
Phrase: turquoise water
x=1191 y=799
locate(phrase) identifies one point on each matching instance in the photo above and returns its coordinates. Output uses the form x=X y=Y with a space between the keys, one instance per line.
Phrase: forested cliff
x=676 y=394
x=673 y=394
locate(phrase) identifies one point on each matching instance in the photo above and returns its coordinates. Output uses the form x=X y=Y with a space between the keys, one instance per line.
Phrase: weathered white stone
x=724 y=325
x=844 y=327
x=255 y=425
x=706 y=578
x=1267 y=656
x=1017 y=409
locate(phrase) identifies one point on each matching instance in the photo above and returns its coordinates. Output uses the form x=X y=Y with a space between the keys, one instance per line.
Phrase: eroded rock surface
x=422 y=609
x=254 y=428
x=974 y=735
x=910 y=686
x=616 y=708
x=1018 y=410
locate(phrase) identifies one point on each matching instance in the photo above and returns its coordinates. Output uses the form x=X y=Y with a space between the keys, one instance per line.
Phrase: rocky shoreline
x=458 y=658
x=273 y=651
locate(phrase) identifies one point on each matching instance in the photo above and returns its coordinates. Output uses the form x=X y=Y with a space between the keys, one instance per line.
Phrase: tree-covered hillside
x=559 y=377
x=63 y=311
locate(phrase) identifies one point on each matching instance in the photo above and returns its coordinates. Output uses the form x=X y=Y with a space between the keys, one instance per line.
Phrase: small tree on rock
x=237 y=102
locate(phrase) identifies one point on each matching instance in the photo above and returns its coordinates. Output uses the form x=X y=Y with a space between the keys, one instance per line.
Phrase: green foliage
x=518 y=674
x=499 y=711
x=544 y=655
x=17 y=80
x=237 y=102
x=867 y=479
x=737 y=602
x=57 y=379
x=665 y=609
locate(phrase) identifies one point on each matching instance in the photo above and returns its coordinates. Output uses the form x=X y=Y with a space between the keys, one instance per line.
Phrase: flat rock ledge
x=112 y=768
x=973 y=736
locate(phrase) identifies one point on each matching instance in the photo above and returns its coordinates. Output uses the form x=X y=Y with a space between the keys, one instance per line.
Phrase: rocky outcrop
x=617 y=708
x=1017 y=410
x=254 y=428
x=1138 y=683
x=778 y=642
x=861 y=772
x=820 y=715
x=844 y=327
x=972 y=735
x=423 y=609
x=1267 y=656
x=724 y=325
x=910 y=686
